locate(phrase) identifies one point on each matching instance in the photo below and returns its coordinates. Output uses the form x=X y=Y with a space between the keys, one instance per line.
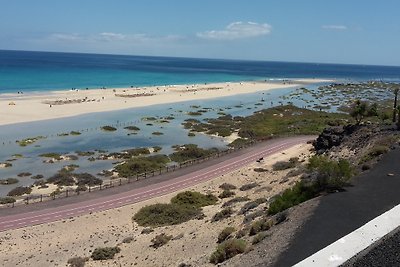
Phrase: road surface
x=50 y=211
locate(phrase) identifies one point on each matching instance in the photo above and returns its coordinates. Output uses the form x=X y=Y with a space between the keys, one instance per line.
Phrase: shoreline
x=17 y=108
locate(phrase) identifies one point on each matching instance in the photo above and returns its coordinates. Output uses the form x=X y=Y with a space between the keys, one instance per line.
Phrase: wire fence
x=57 y=194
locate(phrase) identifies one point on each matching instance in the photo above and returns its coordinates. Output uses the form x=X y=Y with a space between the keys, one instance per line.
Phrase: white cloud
x=335 y=27
x=237 y=30
x=65 y=37
x=110 y=36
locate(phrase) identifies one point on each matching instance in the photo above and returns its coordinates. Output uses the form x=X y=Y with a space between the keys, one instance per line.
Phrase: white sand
x=16 y=108
x=54 y=243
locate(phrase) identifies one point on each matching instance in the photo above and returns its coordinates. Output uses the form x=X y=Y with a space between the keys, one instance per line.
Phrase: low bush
x=6 y=200
x=77 y=262
x=160 y=240
x=234 y=201
x=248 y=186
x=260 y=226
x=190 y=152
x=166 y=214
x=146 y=231
x=105 y=253
x=194 y=199
x=226 y=194
x=284 y=165
x=330 y=175
x=132 y=128
x=259 y=237
x=227 y=250
x=248 y=206
x=227 y=186
x=19 y=191
x=139 y=165
x=253 y=215
x=24 y=174
x=223 y=214
x=225 y=234
x=292 y=197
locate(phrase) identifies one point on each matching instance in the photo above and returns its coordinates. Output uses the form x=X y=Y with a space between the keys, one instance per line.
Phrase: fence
x=30 y=199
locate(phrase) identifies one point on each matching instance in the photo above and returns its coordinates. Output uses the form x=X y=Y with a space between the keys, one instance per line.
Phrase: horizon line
x=201 y=58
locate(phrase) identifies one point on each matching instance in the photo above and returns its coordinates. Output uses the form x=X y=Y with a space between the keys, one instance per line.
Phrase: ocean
x=45 y=71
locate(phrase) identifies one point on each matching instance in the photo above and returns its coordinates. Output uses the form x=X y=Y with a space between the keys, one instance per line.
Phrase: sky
x=324 y=31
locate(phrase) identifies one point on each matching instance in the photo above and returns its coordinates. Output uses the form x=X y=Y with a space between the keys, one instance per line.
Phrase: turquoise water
x=42 y=71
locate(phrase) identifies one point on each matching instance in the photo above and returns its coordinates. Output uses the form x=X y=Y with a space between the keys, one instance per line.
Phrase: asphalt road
x=373 y=193
x=50 y=211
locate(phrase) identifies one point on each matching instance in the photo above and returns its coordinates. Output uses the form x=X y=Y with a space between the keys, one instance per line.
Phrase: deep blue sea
x=41 y=71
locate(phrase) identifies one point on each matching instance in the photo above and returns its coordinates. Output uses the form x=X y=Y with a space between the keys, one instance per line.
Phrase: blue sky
x=335 y=31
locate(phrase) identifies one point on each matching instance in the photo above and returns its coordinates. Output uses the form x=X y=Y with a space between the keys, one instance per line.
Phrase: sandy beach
x=54 y=243
x=18 y=108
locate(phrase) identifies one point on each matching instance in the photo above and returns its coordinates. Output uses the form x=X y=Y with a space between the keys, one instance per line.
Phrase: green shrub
x=75 y=133
x=139 y=165
x=292 y=197
x=24 y=174
x=374 y=152
x=259 y=237
x=19 y=191
x=260 y=226
x=6 y=200
x=223 y=214
x=227 y=250
x=160 y=240
x=194 y=199
x=190 y=152
x=330 y=174
x=157 y=133
x=166 y=214
x=77 y=262
x=226 y=194
x=225 y=234
x=105 y=253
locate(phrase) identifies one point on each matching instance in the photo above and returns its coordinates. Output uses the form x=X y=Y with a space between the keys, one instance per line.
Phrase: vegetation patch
x=284 y=165
x=227 y=186
x=260 y=226
x=160 y=240
x=226 y=194
x=249 y=186
x=190 y=152
x=105 y=253
x=225 y=234
x=19 y=191
x=8 y=181
x=139 y=165
x=183 y=207
x=223 y=214
x=132 y=128
x=227 y=250
x=6 y=200
x=157 y=133
x=259 y=237
x=29 y=141
x=108 y=128
x=234 y=201
x=166 y=214
x=55 y=156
